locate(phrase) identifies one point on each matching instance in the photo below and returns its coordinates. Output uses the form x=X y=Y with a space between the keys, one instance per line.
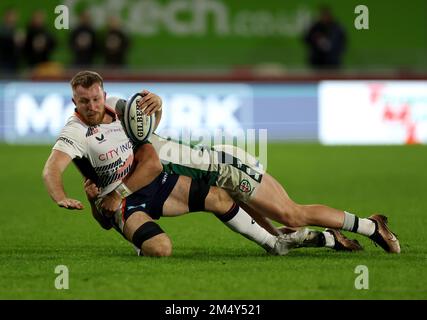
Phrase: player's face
x=90 y=103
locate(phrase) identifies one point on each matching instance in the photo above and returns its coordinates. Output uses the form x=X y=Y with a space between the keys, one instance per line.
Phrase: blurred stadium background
x=244 y=59
x=231 y=65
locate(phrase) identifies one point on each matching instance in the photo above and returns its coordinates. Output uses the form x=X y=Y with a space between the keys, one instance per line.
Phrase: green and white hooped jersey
x=224 y=166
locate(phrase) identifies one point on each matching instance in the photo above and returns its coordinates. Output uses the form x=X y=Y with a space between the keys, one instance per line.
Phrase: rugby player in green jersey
x=263 y=197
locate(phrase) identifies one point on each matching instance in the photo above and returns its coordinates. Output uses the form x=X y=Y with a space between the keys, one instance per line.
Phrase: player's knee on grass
x=152 y=240
x=157 y=246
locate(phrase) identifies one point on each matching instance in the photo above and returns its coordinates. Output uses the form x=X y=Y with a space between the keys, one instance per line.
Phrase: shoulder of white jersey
x=117 y=104
x=76 y=122
x=75 y=129
x=72 y=138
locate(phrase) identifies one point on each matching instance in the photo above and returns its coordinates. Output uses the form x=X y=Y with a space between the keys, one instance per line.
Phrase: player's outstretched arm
x=55 y=165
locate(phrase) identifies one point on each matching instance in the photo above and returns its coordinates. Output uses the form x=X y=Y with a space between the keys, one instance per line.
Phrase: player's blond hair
x=86 y=79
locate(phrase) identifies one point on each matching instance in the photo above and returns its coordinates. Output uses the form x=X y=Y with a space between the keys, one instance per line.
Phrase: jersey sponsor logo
x=126 y=147
x=245 y=186
x=66 y=140
x=113 y=130
x=110 y=154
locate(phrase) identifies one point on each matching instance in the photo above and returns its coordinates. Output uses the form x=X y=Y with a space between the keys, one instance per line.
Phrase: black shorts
x=151 y=198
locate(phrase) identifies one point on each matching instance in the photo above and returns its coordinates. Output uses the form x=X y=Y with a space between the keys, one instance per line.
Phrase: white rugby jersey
x=102 y=153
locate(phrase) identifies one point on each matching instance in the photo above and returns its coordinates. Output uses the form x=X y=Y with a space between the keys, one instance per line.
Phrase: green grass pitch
x=209 y=261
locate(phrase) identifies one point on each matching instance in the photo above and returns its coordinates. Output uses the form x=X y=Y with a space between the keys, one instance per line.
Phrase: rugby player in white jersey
x=95 y=141
x=262 y=196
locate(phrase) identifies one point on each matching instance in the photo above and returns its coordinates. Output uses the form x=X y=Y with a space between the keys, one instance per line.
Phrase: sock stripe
x=356 y=224
x=230 y=214
x=321 y=240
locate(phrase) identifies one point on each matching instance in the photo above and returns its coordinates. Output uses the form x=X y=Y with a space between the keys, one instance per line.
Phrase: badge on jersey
x=245 y=186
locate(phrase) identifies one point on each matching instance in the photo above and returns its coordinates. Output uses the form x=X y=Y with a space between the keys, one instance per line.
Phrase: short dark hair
x=86 y=79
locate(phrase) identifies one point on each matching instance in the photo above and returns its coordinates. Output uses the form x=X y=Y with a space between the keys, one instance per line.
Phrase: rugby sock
x=366 y=227
x=319 y=239
x=240 y=221
x=329 y=239
x=355 y=224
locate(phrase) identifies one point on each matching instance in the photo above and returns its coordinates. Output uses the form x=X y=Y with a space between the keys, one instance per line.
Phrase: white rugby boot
x=286 y=242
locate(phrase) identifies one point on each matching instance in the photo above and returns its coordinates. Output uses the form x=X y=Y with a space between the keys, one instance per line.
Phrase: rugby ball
x=137 y=125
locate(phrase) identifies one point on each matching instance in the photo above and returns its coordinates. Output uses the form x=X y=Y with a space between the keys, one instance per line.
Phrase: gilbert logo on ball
x=137 y=125
x=139 y=119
